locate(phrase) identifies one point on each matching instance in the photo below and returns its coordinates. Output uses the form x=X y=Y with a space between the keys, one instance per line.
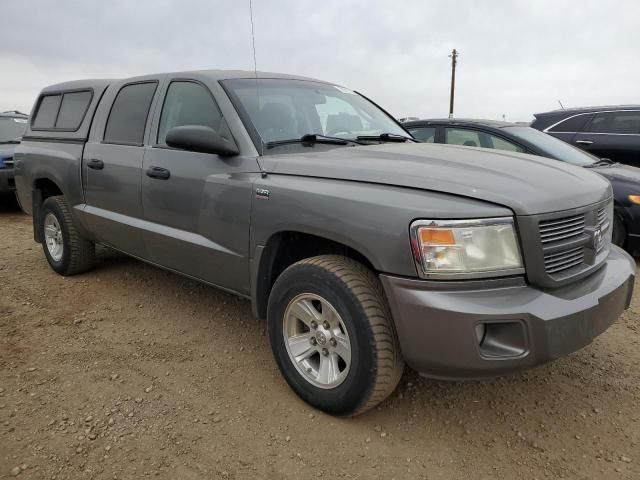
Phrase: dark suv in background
x=12 y=126
x=513 y=137
x=606 y=132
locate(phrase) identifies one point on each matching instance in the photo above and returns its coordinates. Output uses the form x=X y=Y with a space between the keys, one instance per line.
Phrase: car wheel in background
x=66 y=251
x=332 y=334
x=619 y=236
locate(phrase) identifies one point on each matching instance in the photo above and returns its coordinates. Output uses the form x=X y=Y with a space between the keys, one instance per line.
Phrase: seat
x=276 y=122
x=343 y=122
x=470 y=143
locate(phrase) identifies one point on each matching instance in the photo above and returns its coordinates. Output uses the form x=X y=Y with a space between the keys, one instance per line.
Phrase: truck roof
x=77 y=84
x=213 y=74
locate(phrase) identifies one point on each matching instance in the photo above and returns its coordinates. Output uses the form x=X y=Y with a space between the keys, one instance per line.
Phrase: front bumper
x=7 y=182
x=437 y=322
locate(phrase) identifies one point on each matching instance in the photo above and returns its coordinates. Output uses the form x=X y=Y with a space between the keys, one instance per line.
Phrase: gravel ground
x=132 y=372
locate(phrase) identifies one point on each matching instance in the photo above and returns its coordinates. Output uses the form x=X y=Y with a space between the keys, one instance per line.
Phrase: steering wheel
x=336 y=131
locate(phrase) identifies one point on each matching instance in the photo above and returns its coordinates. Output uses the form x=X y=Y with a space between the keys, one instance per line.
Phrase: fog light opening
x=481 y=332
x=501 y=339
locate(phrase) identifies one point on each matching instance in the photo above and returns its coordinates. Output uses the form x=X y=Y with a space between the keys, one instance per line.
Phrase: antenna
x=253 y=41
x=255 y=72
x=561 y=106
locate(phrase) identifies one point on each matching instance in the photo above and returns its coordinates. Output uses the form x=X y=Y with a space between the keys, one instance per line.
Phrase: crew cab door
x=197 y=205
x=112 y=166
x=614 y=135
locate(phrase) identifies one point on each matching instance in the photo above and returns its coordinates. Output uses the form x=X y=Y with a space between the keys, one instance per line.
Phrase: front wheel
x=332 y=335
x=66 y=251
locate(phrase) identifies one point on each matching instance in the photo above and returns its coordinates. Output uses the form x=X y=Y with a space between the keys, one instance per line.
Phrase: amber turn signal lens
x=634 y=198
x=437 y=236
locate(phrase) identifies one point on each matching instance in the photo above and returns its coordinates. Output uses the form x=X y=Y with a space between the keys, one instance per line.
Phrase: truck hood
x=526 y=184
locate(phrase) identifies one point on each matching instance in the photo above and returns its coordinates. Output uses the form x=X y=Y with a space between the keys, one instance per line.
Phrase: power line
x=454 y=62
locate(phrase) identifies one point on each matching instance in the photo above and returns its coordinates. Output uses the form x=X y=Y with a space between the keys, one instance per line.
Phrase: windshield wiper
x=311 y=138
x=386 y=137
x=4 y=142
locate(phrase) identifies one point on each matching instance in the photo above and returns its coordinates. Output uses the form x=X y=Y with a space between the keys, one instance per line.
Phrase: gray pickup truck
x=362 y=249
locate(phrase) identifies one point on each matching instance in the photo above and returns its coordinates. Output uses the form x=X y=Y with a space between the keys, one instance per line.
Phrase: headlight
x=466 y=248
x=634 y=198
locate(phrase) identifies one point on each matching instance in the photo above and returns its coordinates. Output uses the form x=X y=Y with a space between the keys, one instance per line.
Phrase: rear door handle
x=584 y=142
x=158 y=172
x=95 y=164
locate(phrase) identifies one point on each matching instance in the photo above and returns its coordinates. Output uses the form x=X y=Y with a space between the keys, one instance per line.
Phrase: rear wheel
x=332 y=335
x=66 y=251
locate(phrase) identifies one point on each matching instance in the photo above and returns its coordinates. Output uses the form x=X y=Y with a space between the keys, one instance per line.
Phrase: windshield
x=553 y=147
x=11 y=128
x=284 y=109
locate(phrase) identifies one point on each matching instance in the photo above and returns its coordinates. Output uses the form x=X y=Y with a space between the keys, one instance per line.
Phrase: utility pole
x=454 y=61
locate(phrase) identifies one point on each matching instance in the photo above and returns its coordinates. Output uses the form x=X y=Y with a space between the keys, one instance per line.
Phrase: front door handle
x=158 y=172
x=584 y=142
x=95 y=164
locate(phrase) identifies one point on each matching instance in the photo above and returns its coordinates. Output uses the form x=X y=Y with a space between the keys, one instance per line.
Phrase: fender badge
x=262 y=193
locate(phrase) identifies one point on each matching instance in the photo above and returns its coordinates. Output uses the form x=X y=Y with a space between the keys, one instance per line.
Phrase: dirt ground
x=132 y=372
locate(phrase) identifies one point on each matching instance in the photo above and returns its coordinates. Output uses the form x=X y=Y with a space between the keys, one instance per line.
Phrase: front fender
x=372 y=219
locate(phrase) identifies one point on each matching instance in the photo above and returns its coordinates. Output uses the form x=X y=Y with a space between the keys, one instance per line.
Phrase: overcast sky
x=517 y=57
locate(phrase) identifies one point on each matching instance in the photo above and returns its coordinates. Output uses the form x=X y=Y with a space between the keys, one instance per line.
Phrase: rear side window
x=502 y=144
x=11 y=128
x=47 y=111
x=616 y=122
x=62 y=111
x=128 y=116
x=473 y=138
x=424 y=134
x=460 y=136
x=72 y=110
x=571 y=124
x=188 y=103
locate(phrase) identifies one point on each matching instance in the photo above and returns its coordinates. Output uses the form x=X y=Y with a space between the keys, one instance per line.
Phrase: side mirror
x=197 y=138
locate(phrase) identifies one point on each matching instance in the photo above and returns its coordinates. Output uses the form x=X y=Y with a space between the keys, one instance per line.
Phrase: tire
x=351 y=296
x=619 y=236
x=75 y=254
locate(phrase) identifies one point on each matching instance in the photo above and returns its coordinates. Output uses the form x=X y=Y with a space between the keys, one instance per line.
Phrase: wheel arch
x=43 y=188
x=285 y=248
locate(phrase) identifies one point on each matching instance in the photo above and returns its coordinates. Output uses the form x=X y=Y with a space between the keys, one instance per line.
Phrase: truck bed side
x=49 y=159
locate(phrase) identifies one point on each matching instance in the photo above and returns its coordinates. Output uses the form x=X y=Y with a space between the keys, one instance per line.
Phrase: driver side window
x=462 y=136
x=188 y=103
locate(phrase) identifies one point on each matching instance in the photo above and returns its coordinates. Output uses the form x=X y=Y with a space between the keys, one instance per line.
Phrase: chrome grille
x=567 y=242
x=562 y=247
x=603 y=219
x=561 y=229
x=557 y=262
